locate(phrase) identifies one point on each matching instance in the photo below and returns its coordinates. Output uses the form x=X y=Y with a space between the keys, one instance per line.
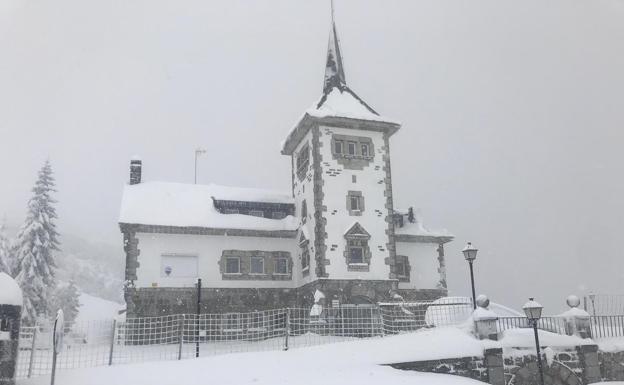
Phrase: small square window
x=351 y=148
x=364 y=149
x=257 y=265
x=338 y=147
x=256 y=213
x=356 y=254
x=232 y=265
x=281 y=266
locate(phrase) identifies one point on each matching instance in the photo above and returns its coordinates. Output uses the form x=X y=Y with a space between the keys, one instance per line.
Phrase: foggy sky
x=512 y=115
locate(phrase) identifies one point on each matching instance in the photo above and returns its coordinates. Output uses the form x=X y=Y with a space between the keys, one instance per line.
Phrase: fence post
x=33 y=349
x=181 y=336
x=287 y=328
x=372 y=321
x=112 y=343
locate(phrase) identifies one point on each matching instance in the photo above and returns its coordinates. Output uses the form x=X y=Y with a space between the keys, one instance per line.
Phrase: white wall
x=208 y=248
x=423 y=259
x=335 y=189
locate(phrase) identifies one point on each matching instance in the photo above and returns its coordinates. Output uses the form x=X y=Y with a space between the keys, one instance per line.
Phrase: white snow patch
x=353 y=362
x=525 y=338
x=178 y=204
x=10 y=292
x=575 y=312
x=97 y=309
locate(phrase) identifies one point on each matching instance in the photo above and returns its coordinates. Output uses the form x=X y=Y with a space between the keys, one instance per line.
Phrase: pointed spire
x=334 y=70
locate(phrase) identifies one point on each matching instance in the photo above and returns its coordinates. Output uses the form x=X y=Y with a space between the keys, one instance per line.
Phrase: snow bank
x=524 y=338
x=188 y=205
x=10 y=292
x=354 y=362
x=417 y=227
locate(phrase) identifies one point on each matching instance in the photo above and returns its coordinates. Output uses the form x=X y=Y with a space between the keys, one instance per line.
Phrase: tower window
x=355 y=203
x=304 y=211
x=338 y=147
x=303 y=161
x=356 y=254
x=364 y=148
x=351 y=148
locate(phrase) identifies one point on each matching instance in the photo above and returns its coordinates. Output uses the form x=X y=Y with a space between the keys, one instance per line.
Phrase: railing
x=183 y=336
x=176 y=337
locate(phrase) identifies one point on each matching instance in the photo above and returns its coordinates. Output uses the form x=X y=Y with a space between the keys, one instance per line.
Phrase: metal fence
x=604 y=304
x=181 y=336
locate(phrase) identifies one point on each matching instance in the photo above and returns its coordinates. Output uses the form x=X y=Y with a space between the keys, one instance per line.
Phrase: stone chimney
x=135 y=170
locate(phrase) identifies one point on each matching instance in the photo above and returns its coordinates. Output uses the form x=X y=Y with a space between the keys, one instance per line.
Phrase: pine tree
x=66 y=298
x=36 y=242
x=5 y=252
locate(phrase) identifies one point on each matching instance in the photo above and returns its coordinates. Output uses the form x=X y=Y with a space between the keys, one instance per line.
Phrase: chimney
x=135 y=170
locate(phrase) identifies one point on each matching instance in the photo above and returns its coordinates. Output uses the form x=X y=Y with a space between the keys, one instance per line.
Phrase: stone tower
x=342 y=185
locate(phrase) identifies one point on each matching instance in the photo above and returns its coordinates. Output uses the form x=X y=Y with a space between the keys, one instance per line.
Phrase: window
x=305 y=257
x=232 y=265
x=364 y=148
x=304 y=211
x=354 y=203
x=281 y=266
x=356 y=254
x=178 y=266
x=400 y=269
x=338 y=147
x=256 y=213
x=231 y=211
x=351 y=148
x=278 y=215
x=303 y=160
x=256 y=265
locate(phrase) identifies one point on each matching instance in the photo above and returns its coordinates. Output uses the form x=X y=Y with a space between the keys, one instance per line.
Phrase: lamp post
x=533 y=311
x=470 y=253
x=198 y=151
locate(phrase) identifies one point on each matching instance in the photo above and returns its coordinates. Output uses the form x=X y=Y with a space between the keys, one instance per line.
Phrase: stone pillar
x=10 y=316
x=577 y=321
x=485 y=320
x=494 y=365
x=588 y=357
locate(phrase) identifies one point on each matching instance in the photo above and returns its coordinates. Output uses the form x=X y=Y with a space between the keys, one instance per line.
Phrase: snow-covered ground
x=97 y=309
x=354 y=362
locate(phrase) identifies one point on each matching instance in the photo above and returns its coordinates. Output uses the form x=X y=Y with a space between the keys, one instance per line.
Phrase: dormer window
x=357 y=252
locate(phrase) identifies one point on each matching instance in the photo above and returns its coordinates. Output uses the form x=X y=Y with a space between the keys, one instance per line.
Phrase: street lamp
x=198 y=151
x=533 y=311
x=470 y=253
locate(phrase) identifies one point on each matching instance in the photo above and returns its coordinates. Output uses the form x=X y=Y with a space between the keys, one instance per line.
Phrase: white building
x=336 y=231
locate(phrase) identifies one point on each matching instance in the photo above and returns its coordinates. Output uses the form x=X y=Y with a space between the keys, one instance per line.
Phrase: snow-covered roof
x=190 y=205
x=10 y=292
x=417 y=229
x=344 y=103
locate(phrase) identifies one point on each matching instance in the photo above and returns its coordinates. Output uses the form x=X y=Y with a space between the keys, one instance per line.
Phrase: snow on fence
x=182 y=336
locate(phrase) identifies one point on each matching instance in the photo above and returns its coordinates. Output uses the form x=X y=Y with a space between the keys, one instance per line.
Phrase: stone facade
x=9 y=340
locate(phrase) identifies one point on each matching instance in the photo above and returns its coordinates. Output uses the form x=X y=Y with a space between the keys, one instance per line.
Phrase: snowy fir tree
x=5 y=251
x=66 y=297
x=34 y=249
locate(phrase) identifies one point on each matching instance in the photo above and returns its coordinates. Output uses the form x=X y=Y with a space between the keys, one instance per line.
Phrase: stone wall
x=9 y=340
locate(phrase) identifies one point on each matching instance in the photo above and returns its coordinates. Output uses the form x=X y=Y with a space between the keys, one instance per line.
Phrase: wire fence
x=182 y=336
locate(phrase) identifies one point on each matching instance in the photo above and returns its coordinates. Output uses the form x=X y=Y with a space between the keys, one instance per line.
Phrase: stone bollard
x=485 y=320
x=10 y=315
x=495 y=367
x=577 y=321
